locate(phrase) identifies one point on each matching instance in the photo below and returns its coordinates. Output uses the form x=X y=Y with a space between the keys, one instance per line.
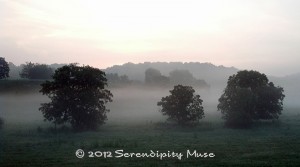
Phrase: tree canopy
x=36 y=71
x=4 y=68
x=78 y=96
x=182 y=106
x=249 y=96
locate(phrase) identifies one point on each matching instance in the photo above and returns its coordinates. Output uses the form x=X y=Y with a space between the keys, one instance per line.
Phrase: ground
x=266 y=144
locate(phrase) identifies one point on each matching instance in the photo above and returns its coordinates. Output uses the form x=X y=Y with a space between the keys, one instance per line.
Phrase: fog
x=130 y=105
x=133 y=105
x=136 y=102
x=20 y=108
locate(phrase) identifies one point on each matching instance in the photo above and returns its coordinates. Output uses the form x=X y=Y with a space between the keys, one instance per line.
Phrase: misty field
x=135 y=126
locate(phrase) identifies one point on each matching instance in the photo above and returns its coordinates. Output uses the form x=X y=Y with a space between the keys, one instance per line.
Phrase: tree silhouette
x=185 y=77
x=4 y=68
x=114 y=79
x=36 y=71
x=250 y=96
x=78 y=96
x=182 y=105
x=154 y=77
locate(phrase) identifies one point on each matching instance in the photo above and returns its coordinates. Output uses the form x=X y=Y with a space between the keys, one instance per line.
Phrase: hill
x=214 y=75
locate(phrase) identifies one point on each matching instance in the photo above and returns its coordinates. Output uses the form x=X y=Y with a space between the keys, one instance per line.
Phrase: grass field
x=266 y=144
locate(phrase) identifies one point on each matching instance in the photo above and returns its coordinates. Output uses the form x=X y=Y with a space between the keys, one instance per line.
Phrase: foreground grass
x=268 y=144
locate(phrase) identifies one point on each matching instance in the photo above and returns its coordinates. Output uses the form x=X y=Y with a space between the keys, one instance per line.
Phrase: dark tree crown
x=78 y=96
x=182 y=105
x=250 y=96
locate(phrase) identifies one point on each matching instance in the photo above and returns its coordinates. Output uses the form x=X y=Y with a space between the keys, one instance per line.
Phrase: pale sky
x=248 y=34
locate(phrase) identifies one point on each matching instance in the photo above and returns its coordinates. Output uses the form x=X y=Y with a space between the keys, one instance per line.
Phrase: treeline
x=153 y=77
x=184 y=77
x=214 y=75
x=32 y=70
x=36 y=71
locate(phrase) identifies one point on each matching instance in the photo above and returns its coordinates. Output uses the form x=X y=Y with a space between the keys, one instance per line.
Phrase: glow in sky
x=249 y=34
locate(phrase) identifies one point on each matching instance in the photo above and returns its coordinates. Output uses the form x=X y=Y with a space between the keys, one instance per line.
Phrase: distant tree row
x=36 y=71
x=153 y=77
x=113 y=79
x=29 y=70
x=207 y=71
x=183 y=77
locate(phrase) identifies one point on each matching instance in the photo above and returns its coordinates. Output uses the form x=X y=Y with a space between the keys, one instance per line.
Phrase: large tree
x=4 y=68
x=78 y=96
x=36 y=71
x=249 y=96
x=182 y=106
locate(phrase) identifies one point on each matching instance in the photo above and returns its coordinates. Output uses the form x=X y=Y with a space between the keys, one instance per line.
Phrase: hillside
x=210 y=73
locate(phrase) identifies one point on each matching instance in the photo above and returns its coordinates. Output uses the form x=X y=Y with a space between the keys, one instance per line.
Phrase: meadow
x=135 y=126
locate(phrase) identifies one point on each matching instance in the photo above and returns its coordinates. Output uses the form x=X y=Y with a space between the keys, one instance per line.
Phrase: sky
x=262 y=35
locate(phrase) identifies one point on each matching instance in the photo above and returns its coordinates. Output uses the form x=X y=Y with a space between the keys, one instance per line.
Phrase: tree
x=4 y=68
x=154 y=77
x=114 y=79
x=36 y=71
x=78 y=96
x=151 y=74
x=185 y=77
x=249 y=96
x=182 y=106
